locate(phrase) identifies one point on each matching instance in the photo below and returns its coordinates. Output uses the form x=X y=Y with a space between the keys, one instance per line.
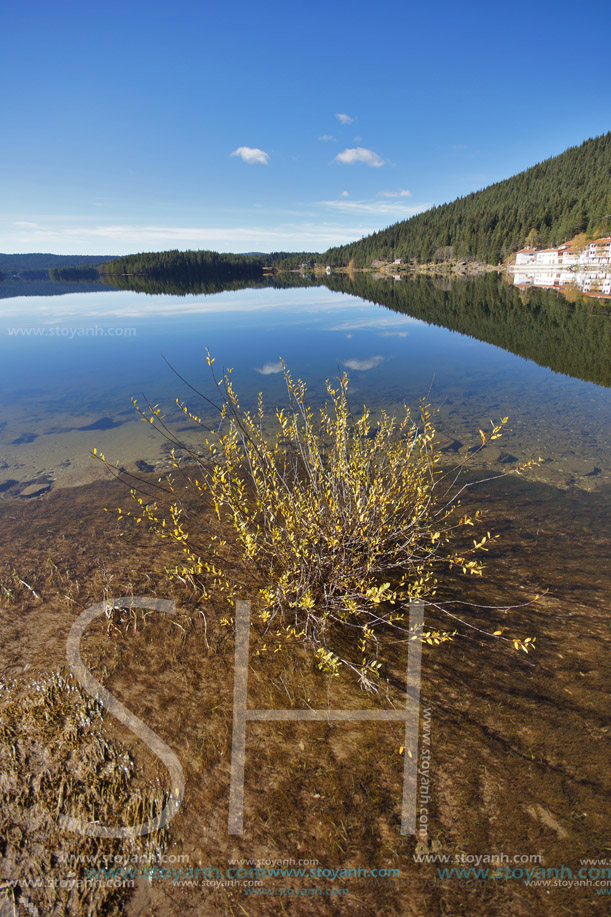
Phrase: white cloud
x=381 y=208
x=377 y=324
x=26 y=225
x=392 y=334
x=345 y=194
x=404 y=193
x=77 y=236
x=344 y=119
x=360 y=154
x=251 y=154
x=328 y=138
x=269 y=369
x=364 y=365
x=328 y=308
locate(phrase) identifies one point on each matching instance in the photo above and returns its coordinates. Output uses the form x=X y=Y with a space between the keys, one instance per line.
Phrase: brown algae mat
x=514 y=745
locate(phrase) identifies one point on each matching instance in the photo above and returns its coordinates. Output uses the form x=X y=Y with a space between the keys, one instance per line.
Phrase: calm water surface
x=69 y=366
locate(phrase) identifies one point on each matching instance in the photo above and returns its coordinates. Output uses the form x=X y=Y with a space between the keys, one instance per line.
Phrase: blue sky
x=141 y=126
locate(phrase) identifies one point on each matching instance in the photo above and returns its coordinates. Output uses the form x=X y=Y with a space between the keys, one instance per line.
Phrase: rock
x=7 y=484
x=590 y=484
x=446 y=443
x=35 y=490
x=541 y=814
x=24 y=439
x=496 y=454
x=551 y=476
x=491 y=453
x=144 y=467
x=572 y=464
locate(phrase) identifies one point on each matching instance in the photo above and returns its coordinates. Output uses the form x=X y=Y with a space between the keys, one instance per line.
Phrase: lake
x=70 y=365
x=518 y=742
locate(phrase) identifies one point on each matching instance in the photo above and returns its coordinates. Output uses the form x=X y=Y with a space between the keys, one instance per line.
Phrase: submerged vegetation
x=331 y=527
x=57 y=760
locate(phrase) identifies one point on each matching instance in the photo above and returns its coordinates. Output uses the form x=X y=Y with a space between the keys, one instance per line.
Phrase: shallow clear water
x=74 y=362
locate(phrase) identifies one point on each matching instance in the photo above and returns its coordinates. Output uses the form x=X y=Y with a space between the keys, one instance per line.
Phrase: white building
x=587 y=268
x=568 y=255
x=525 y=256
x=597 y=252
x=547 y=256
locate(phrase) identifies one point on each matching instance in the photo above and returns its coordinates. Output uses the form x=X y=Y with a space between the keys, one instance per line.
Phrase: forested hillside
x=553 y=201
x=42 y=262
x=185 y=266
